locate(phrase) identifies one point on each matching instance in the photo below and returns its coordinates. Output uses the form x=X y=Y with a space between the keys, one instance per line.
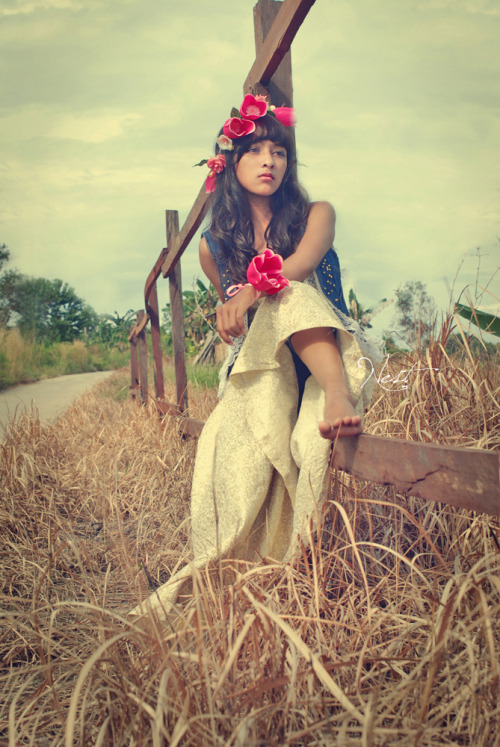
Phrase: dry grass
x=383 y=631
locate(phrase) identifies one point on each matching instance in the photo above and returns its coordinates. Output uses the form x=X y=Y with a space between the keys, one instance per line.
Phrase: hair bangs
x=269 y=128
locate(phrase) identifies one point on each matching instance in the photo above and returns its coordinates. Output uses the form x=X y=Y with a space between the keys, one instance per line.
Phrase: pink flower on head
x=210 y=183
x=253 y=107
x=285 y=115
x=224 y=142
x=216 y=164
x=236 y=127
x=264 y=272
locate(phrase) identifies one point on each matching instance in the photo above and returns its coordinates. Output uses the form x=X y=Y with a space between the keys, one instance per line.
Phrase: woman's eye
x=253 y=149
x=280 y=153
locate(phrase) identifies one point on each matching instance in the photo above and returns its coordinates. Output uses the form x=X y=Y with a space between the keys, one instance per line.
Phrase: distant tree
x=4 y=256
x=415 y=313
x=45 y=309
x=114 y=329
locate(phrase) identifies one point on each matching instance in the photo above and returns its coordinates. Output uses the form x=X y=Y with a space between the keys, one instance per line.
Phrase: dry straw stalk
x=383 y=631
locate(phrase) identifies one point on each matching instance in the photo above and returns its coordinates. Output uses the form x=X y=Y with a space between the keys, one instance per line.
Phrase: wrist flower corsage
x=264 y=273
x=242 y=123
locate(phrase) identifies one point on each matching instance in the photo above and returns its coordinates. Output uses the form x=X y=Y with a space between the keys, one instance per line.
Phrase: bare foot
x=339 y=417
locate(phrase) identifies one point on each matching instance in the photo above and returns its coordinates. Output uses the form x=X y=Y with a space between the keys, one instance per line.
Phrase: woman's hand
x=231 y=315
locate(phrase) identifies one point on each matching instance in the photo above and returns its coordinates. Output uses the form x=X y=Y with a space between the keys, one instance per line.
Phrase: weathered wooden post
x=143 y=357
x=154 y=316
x=280 y=85
x=177 y=315
x=134 y=366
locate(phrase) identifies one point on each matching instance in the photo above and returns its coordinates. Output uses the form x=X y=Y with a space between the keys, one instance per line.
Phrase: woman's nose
x=268 y=159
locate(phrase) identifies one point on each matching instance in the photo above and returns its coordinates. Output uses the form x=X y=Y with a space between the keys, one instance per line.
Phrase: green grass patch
x=23 y=360
x=201 y=377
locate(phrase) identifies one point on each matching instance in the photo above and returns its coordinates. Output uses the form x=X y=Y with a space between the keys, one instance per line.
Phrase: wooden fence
x=462 y=477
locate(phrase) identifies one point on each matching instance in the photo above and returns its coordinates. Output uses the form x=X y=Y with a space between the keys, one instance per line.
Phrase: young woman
x=258 y=184
x=294 y=376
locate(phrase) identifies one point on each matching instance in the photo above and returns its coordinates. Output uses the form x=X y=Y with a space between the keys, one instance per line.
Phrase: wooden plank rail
x=462 y=477
x=186 y=234
x=468 y=478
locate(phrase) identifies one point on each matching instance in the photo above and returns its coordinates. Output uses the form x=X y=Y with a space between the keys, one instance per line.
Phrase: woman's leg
x=318 y=349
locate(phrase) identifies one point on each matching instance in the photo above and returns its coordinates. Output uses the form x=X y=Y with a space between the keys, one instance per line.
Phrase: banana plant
x=360 y=314
x=482 y=319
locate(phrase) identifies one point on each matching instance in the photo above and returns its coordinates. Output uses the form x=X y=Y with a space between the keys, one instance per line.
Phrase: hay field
x=384 y=631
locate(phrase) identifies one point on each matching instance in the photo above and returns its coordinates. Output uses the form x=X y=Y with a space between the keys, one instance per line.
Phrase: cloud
x=106 y=106
x=34 y=6
x=93 y=127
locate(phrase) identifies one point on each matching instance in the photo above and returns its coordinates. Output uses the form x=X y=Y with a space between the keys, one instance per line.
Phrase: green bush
x=23 y=360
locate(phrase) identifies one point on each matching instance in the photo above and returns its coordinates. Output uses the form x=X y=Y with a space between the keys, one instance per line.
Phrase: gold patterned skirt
x=261 y=468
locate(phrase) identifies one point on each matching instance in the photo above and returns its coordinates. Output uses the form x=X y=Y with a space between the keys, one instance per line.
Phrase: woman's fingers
x=231 y=315
x=230 y=322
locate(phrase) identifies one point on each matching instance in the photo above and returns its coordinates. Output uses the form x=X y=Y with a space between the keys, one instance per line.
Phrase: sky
x=105 y=105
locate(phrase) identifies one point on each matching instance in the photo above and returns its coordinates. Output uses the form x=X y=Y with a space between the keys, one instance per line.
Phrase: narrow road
x=50 y=396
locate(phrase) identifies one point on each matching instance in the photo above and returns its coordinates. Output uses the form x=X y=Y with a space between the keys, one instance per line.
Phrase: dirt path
x=50 y=396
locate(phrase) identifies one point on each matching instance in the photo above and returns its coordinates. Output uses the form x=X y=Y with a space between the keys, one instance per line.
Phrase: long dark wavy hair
x=231 y=221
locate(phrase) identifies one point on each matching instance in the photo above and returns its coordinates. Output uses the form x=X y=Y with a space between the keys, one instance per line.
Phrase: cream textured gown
x=261 y=471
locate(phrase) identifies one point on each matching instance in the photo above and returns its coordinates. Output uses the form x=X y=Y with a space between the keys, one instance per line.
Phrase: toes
x=325 y=429
x=343 y=429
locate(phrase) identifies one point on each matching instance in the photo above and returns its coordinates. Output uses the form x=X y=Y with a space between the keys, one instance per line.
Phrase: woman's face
x=261 y=169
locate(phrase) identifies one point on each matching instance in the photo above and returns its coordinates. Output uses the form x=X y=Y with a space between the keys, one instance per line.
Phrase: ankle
x=337 y=388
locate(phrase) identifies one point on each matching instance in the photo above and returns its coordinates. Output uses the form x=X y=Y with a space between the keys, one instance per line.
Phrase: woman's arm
x=231 y=315
x=316 y=241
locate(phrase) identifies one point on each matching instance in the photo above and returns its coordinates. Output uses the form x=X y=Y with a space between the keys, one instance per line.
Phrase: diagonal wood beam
x=188 y=230
x=278 y=41
x=276 y=45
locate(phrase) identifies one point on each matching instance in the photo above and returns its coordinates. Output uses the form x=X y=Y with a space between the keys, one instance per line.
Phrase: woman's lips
x=266 y=177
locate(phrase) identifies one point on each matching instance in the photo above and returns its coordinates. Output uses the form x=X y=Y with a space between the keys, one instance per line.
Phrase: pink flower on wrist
x=264 y=272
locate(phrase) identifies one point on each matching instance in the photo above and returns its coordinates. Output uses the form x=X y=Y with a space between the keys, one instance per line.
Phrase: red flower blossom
x=236 y=127
x=216 y=164
x=252 y=107
x=285 y=115
x=264 y=272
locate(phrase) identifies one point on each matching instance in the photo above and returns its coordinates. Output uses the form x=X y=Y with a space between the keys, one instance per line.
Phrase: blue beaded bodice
x=328 y=273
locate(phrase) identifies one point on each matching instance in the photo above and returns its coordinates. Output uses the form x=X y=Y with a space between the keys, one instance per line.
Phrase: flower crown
x=239 y=124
